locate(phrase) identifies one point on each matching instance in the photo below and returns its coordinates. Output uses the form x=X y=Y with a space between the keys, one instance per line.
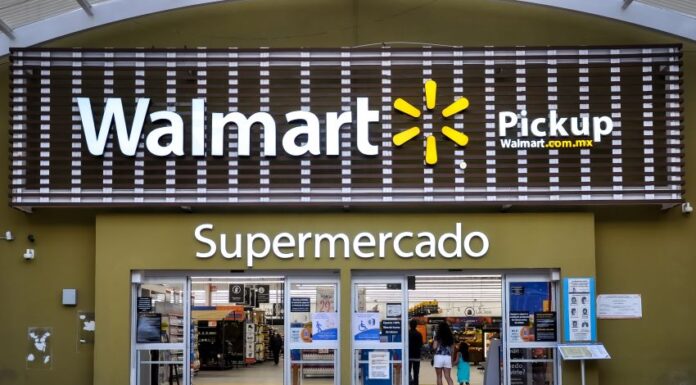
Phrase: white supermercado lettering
x=364 y=245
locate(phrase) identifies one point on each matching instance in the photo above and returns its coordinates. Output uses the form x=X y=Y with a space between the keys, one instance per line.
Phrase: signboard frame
x=56 y=169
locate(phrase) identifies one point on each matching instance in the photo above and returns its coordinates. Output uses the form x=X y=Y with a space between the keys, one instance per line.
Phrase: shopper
x=442 y=345
x=415 y=344
x=461 y=360
x=276 y=345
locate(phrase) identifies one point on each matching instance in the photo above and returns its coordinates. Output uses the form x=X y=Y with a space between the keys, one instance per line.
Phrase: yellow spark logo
x=430 y=146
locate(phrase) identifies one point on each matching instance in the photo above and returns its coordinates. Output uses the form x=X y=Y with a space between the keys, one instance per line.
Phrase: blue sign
x=325 y=326
x=366 y=326
x=579 y=315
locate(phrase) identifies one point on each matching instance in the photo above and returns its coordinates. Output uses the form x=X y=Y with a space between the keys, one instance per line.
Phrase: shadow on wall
x=687 y=377
x=8 y=376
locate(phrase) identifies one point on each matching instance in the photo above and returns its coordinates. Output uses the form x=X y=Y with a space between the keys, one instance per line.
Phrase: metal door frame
x=316 y=278
x=137 y=279
x=381 y=278
x=541 y=275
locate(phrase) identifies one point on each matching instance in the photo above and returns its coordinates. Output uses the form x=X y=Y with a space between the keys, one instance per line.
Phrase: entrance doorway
x=216 y=329
x=504 y=327
x=378 y=330
x=236 y=330
x=471 y=305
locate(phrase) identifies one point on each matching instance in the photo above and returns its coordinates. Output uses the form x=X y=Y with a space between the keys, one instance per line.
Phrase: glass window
x=312 y=322
x=531 y=315
x=378 y=326
x=532 y=366
x=159 y=332
x=532 y=332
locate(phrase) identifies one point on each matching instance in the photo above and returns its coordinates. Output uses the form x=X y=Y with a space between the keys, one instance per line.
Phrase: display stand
x=583 y=352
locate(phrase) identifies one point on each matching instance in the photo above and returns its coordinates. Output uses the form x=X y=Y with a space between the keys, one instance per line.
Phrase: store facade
x=348 y=170
x=163 y=240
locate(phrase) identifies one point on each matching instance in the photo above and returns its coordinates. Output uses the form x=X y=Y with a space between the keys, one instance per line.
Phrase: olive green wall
x=637 y=251
x=30 y=292
x=30 y=295
x=151 y=242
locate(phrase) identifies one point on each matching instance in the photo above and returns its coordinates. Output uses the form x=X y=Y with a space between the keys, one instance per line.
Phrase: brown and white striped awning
x=639 y=87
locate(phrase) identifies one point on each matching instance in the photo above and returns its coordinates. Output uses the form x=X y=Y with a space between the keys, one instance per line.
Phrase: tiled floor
x=269 y=374
x=427 y=375
x=261 y=374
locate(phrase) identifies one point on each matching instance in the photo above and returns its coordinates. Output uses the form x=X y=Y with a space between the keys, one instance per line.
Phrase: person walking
x=461 y=360
x=442 y=344
x=415 y=343
x=276 y=345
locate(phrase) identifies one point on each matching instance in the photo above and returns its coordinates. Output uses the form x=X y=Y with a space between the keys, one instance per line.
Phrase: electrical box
x=69 y=297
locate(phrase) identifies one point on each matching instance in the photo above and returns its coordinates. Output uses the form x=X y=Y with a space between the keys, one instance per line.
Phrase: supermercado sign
x=363 y=245
x=448 y=126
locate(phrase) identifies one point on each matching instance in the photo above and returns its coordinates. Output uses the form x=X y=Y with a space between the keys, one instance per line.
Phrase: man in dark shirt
x=415 y=343
x=276 y=345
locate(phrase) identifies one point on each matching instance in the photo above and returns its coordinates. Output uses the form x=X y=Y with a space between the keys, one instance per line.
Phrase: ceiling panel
x=687 y=7
x=18 y=13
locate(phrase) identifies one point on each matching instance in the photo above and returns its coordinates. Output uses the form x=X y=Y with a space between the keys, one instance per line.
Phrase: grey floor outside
x=269 y=374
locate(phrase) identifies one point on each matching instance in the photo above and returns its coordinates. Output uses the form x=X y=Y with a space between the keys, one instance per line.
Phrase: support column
x=346 y=315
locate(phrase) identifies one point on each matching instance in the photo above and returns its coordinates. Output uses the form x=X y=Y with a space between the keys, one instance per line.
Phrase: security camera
x=29 y=254
x=686 y=208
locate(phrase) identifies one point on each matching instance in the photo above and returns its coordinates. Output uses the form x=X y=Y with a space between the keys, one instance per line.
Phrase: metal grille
x=639 y=87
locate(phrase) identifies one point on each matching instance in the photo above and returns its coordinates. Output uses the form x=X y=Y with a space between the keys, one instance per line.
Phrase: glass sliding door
x=312 y=330
x=532 y=329
x=160 y=332
x=379 y=327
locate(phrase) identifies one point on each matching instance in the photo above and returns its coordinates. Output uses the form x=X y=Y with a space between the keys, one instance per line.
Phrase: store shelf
x=317 y=363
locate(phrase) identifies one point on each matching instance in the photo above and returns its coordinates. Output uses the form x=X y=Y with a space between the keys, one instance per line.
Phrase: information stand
x=582 y=352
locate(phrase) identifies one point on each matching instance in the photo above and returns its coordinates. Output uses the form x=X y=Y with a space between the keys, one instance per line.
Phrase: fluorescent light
x=457 y=276
x=235 y=281
x=240 y=277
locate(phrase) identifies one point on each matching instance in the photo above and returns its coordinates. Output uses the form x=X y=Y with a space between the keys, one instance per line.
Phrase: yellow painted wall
x=638 y=251
x=166 y=242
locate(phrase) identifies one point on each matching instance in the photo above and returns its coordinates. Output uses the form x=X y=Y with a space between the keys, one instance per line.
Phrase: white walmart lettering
x=304 y=137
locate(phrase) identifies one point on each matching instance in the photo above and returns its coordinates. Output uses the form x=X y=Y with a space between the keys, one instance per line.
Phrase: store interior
x=470 y=304
x=235 y=320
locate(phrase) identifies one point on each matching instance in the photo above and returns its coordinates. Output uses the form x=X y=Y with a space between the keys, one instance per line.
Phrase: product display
x=474 y=338
x=318 y=363
x=232 y=333
x=424 y=308
x=221 y=344
x=195 y=354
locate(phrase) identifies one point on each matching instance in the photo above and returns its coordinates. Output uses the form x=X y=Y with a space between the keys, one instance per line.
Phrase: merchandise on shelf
x=317 y=363
x=424 y=308
x=474 y=338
